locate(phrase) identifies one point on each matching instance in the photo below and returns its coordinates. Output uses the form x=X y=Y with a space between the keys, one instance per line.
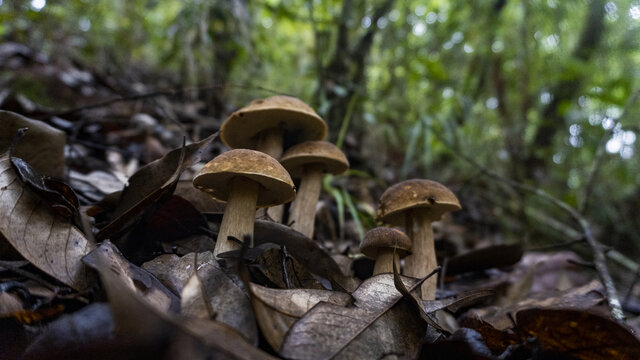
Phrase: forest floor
x=105 y=250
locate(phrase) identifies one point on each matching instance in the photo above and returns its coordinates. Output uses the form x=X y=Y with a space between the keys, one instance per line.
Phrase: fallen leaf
x=199 y=199
x=495 y=256
x=580 y=334
x=272 y=266
x=174 y=271
x=42 y=147
x=227 y=299
x=581 y=298
x=496 y=340
x=296 y=302
x=55 y=193
x=305 y=250
x=378 y=323
x=175 y=220
x=135 y=278
x=462 y=344
x=48 y=241
x=149 y=184
x=170 y=335
x=86 y=333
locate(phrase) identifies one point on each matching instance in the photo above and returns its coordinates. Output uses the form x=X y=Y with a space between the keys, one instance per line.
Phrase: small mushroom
x=379 y=243
x=309 y=161
x=245 y=179
x=415 y=204
x=265 y=124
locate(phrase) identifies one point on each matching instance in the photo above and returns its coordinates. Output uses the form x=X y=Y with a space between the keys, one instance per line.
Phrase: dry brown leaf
x=379 y=323
x=135 y=278
x=47 y=240
x=151 y=183
x=305 y=250
x=42 y=147
x=228 y=301
x=277 y=309
x=86 y=333
x=273 y=324
x=178 y=336
x=296 y=302
x=174 y=271
x=580 y=334
x=582 y=298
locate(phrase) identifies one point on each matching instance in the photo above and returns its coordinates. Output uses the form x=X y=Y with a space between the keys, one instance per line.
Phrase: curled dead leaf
x=47 y=240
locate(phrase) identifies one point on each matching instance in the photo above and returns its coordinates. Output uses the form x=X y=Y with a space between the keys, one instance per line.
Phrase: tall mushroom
x=309 y=161
x=379 y=243
x=266 y=124
x=415 y=204
x=245 y=179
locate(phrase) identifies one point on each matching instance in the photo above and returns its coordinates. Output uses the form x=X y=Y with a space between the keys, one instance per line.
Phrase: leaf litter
x=300 y=304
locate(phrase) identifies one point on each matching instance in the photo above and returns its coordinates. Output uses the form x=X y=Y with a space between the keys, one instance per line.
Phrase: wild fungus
x=309 y=161
x=245 y=179
x=379 y=243
x=415 y=204
x=265 y=124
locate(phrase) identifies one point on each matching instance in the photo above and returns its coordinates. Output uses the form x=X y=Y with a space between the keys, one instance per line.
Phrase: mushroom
x=245 y=179
x=379 y=243
x=309 y=161
x=415 y=204
x=265 y=124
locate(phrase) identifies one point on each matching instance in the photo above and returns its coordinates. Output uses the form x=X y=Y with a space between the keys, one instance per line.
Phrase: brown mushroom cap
x=415 y=193
x=385 y=237
x=323 y=153
x=276 y=186
x=289 y=113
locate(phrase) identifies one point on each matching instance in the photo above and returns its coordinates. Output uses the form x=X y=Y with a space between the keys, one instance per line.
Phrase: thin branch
x=613 y=301
x=168 y=92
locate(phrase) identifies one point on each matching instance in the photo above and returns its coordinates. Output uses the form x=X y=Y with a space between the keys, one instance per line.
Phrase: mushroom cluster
x=250 y=176
x=266 y=125
x=256 y=174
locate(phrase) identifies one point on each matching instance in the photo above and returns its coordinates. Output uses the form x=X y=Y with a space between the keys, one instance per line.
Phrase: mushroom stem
x=303 y=208
x=270 y=143
x=239 y=215
x=422 y=260
x=384 y=261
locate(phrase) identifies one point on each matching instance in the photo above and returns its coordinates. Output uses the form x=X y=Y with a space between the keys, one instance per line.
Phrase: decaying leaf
x=278 y=309
x=107 y=258
x=170 y=335
x=174 y=271
x=581 y=298
x=273 y=266
x=496 y=340
x=581 y=334
x=378 y=323
x=151 y=183
x=228 y=302
x=304 y=250
x=174 y=220
x=42 y=147
x=47 y=240
x=486 y=258
x=87 y=333
x=296 y=302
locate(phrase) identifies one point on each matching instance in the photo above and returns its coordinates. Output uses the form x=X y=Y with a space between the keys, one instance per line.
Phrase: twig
x=613 y=300
x=600 y=152
x=168 y=92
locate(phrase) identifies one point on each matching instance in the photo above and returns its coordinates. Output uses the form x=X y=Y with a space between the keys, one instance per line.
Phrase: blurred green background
x=540 y=91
